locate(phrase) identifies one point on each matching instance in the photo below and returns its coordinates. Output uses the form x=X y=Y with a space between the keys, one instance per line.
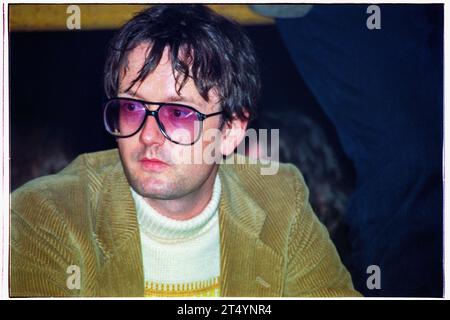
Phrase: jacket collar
x=248 y=266
x=117 y=231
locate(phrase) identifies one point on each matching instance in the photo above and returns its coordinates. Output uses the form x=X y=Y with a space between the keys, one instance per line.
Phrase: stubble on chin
x=152 y=185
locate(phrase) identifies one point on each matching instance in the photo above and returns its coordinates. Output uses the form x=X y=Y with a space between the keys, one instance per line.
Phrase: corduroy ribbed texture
x=271 y=242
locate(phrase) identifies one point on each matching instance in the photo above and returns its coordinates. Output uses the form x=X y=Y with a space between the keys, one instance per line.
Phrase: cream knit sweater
x=180 y=257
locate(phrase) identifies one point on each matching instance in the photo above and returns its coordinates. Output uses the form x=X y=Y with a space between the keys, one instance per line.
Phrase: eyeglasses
x=181 y=124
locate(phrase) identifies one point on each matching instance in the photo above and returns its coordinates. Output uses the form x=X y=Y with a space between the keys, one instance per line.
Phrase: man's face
x=153 y=164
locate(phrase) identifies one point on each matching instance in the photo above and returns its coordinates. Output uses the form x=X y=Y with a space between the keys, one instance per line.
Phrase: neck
x=188 y=206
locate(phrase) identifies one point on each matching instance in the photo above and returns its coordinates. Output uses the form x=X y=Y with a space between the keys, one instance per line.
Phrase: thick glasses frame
x=200 y=116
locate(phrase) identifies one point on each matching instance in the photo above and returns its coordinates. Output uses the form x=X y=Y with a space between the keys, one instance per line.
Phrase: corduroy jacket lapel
x=248 y=266
x=117 y=233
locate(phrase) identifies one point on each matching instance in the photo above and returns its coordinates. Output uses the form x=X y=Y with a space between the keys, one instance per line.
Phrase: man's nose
x=150 y=132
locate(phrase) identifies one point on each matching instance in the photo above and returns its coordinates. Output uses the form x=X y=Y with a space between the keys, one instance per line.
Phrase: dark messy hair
x=203 y=45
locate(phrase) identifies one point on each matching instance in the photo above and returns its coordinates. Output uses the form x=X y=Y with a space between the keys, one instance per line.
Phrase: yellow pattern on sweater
x=207 y=288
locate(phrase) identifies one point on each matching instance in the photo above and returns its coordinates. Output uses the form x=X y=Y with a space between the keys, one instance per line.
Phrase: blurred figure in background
x=303 y=142
x=37 y=152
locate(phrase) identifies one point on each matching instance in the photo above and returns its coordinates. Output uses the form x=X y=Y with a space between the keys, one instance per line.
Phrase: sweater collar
x=161 y=227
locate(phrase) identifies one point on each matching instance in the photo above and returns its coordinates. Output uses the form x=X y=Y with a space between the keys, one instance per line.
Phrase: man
x=146 y=220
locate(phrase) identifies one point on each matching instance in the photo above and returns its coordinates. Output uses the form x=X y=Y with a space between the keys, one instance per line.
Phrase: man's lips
x=153 y=164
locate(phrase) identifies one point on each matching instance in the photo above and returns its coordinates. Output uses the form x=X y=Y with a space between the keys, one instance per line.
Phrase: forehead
x=134 y=62
x=161 y=82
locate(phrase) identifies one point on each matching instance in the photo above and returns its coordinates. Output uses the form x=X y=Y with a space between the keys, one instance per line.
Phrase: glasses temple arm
x=211 y=114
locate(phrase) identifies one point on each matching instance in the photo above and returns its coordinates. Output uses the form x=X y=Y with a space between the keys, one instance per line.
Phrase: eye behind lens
x=180 y=123
x=123 y=117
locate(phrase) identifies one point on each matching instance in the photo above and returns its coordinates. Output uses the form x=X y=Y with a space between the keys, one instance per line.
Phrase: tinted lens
x=123 y=117
x=180 y=123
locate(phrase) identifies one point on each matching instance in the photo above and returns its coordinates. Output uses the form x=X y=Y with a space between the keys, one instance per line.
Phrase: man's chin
x=155 y=189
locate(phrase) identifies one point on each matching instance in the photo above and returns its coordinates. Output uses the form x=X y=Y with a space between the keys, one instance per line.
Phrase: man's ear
x=232 y=134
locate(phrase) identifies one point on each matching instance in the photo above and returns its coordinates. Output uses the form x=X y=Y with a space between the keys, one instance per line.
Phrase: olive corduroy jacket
x=271 y=243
